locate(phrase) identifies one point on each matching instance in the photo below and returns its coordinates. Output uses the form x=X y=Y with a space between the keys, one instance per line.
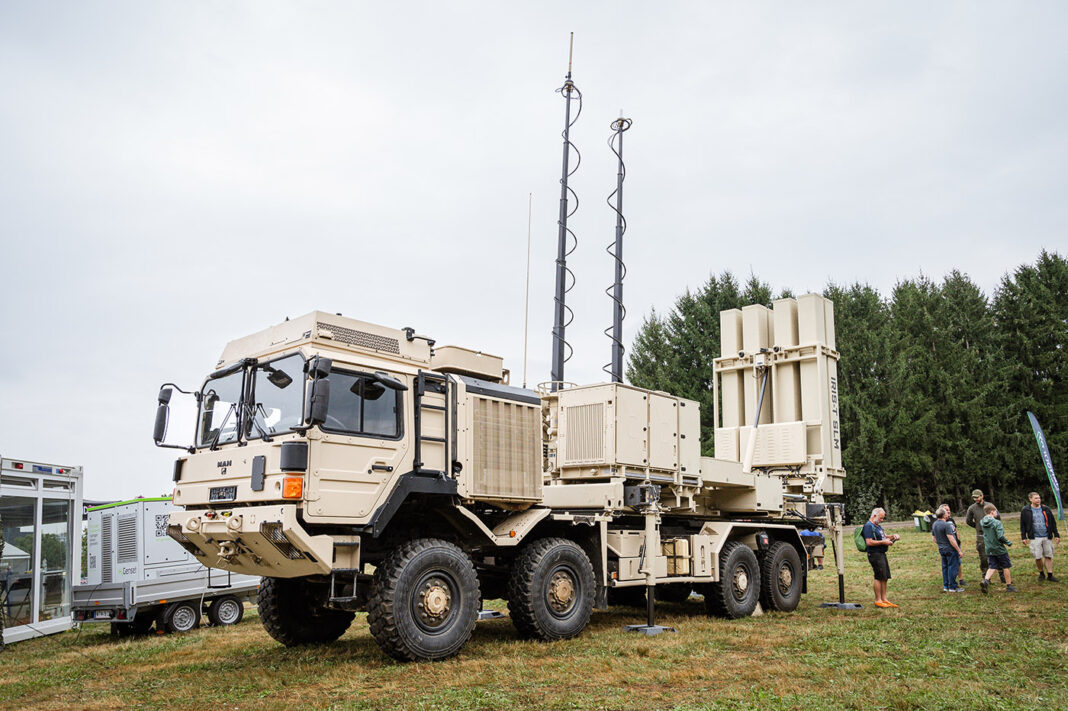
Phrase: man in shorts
x=877 y=543
x=1039 y=526
x=996 y=548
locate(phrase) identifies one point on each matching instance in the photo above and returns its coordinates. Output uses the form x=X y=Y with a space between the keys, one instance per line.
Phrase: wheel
x=181 y=616
x=780 y=577
x=293 y=611
x=550 y=593
x=424 y=601
x=738 y=589
x=227 y=610
x=673 y=592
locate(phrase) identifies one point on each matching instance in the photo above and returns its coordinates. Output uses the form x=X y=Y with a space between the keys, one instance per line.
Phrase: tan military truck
x=326 y=447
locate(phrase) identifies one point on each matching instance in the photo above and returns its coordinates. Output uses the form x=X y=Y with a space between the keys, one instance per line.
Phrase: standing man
x=996 y=548
x=973 y=518
x=877 y=543
x=945 y=535
x=1039 y=526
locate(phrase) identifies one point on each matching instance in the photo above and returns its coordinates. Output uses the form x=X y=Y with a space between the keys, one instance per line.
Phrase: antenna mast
x=526 y=303
x=615 y=249
x=562 y=315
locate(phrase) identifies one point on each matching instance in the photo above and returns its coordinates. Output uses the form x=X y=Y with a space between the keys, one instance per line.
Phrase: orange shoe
x=879 y=603
x=890 y=604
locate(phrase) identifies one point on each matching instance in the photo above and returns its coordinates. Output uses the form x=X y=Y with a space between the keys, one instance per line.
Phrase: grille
x=361 y=338
x=175 y=532
x=272 y=531
x=584 y=434
x=127 y=539
x=105 y=548
x=507 y=454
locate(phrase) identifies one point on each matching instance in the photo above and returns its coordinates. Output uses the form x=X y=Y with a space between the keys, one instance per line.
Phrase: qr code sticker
x=161 y=525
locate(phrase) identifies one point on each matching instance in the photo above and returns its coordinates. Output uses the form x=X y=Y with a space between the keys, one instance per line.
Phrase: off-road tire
x=293 y=614
x=543 y=569
x=424 y=601
x=225 y=611
x=781 y=573
x=182 y=616
x=737 y=564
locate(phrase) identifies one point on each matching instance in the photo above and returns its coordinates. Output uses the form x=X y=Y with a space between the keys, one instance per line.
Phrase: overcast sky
x=175 y=175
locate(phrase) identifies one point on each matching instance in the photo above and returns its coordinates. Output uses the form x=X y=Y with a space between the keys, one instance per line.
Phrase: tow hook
x=227 y=549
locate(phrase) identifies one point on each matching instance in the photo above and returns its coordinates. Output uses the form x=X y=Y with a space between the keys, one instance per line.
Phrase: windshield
x=278 y=391
x=218 y=410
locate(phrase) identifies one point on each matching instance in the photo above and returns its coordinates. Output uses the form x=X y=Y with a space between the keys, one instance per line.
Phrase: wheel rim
x=740 y=582
x=435 y=601
x=562 y=592
x=184 y=618
x=786 y=578
x=228 y=612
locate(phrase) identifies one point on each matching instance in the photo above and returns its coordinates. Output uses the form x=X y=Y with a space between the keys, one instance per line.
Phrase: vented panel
x=105 y=548
x=507 y=452
x=361 y=338
x=584 y=434
x=127 y=545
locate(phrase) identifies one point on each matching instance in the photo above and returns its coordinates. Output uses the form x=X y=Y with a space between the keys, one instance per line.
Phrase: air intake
x=272 y=531
x=363 y=339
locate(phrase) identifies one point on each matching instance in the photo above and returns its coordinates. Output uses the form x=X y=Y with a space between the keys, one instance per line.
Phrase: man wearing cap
x=973 y=518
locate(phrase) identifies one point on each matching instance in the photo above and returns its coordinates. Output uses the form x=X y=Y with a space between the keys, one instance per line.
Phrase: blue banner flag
x=1043 y=449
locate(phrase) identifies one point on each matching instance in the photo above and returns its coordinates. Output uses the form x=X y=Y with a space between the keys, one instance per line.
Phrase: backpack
x=858 y=538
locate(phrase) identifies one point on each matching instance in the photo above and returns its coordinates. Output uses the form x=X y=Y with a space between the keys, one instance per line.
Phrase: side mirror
x=319 y=367
x=319 y=401
x=389 y=381
x=163 y=412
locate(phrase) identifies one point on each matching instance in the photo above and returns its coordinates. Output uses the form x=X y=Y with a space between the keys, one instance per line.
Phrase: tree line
x=935 y=380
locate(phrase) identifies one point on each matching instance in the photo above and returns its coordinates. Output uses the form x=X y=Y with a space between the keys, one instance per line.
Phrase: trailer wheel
x=550 y=593
x=181 y=616
x=225 y=611
x=780 y=579
x=293 y=614
x=738 y=590
x=424 y=601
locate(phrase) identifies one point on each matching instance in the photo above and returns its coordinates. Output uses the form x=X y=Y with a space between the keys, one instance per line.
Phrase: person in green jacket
x=996 y=548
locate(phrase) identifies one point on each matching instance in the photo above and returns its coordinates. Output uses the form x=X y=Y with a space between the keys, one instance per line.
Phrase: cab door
x=361 y=448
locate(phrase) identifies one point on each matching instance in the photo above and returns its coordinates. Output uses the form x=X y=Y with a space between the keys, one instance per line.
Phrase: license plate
x=102 y=615
x=222 y=493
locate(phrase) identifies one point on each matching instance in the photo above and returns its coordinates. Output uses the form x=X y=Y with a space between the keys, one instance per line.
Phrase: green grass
x=935 y=651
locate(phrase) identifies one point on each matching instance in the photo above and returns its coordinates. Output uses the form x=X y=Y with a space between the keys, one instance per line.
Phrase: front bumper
x=259 y=540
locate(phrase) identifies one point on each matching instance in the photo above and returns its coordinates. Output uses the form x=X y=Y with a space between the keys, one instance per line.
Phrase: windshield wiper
x=222 y=425
x=257 y=411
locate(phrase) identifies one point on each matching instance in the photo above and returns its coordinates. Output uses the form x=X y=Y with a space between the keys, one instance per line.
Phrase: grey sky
x=174 y=175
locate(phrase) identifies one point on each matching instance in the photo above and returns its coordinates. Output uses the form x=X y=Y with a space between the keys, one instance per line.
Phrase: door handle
x=381 y=467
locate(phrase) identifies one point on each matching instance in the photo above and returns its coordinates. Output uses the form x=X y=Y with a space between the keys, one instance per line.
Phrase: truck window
x=359 y=405
x=279 y=395
x=218 y=410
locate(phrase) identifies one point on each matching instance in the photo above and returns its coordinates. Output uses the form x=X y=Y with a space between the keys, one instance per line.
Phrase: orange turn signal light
x=292 y=487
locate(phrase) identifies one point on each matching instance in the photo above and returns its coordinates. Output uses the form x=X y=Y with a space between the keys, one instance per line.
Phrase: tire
x=182 y=616
x=225 y=611
x=551 y=590
x=293 y=613
x=738 y=590
x=424 y=601
x=781 y=574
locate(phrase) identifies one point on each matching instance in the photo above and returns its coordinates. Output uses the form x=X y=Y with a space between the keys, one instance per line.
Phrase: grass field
x=966 y=651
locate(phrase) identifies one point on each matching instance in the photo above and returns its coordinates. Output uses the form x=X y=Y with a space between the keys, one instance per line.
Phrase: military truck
x=359 y=467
